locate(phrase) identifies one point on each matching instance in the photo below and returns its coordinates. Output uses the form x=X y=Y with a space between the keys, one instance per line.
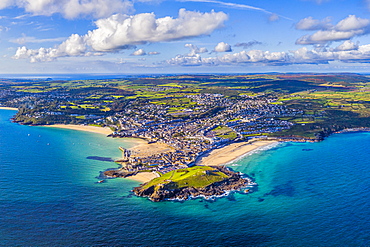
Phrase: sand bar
x=8 y=108
x=94 y=129
x=231 y=152
x=144 y=177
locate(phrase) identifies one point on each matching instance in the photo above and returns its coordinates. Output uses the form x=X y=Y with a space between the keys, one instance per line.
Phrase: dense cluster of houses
x=190 y=137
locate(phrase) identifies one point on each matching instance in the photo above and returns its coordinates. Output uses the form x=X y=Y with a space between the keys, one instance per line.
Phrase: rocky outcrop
x=162 y=192
x=118 y=174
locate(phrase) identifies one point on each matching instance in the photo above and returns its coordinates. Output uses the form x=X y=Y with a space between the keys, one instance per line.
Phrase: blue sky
x=184 y=36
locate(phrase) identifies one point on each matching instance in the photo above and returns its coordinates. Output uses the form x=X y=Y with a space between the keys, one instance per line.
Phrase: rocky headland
x=171 y=191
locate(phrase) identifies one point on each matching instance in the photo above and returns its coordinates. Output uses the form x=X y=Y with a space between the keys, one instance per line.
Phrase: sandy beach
x=94 y=129
x=144 y=177
x=8 y=108
x=231 y=152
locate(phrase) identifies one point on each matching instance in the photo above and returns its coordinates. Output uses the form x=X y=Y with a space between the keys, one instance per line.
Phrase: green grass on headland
x=197 y=177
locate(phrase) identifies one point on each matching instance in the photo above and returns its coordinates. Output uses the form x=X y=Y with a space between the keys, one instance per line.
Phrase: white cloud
x=352 y=23
x=5 y=3
x=322 y=37
x=119 y=30
x=71 y=8
x=154 y=53
x=344 y=30
x=139 y=52
x=195 y=50
x=347 y=46
x=122 y=32
x=222 y=47
x=73 y=46
x=346 y=52
x=253 y=56
x=185 y=60
x=310 y=23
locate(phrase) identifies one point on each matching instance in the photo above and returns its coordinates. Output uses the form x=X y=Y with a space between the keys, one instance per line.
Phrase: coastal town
x=187 y=139
x=183 y=119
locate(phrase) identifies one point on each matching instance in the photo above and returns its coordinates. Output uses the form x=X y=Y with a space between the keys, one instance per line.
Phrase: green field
x=225 y=132
x=197 y=177
x=329 y=101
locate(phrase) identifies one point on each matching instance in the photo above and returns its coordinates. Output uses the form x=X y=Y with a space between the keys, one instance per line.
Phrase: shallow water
x=309 y=194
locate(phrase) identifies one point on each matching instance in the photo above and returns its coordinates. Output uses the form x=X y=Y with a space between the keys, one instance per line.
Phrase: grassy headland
x=192 y=182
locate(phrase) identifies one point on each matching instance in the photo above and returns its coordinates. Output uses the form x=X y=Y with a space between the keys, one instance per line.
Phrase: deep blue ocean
x=308 y=194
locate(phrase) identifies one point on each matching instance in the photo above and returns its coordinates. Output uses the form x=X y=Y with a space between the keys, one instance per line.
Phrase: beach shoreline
x=217 y=157
x=8 y=108
x=232 y=152
x=93 y=129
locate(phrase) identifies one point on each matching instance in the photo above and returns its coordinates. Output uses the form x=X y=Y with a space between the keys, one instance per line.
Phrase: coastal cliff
x=203 y=181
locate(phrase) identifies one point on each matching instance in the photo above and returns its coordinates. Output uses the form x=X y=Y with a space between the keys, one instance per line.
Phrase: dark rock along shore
x=161 y=192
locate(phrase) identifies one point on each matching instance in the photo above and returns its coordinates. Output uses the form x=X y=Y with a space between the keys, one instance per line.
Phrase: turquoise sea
x=309 y=194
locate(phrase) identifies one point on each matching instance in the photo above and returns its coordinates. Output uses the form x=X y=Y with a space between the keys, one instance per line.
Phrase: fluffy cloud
x=71 y=8
x=253 y=56
x=139 y=52
x=195 y=50
x=6 y=3
x=222 y=47
x=347 y=46
x=311 y=24
x=346 y=52
x=185 y=60
x=73 y=46
x=322 y=37
x=352 y=23
x=344 y=30
x=191 y=59
x=120 y=30
x=123 y=32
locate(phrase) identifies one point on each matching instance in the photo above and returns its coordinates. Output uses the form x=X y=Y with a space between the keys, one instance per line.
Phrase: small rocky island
x=192 y=182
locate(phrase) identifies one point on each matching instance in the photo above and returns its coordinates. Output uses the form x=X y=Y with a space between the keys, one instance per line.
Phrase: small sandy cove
x=220 y=156
x=94 y=129
x=231 y=152
x=144 y=177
